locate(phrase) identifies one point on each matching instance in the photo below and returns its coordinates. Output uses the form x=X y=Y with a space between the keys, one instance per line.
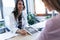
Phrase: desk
x=26 y=37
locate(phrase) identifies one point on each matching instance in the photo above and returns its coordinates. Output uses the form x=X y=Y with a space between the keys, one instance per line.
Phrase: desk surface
x=26 y=37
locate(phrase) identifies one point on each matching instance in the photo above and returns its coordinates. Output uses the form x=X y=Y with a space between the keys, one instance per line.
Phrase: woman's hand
x=22 y=32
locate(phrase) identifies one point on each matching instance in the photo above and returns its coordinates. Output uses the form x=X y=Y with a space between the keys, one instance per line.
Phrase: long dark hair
x=15 y=11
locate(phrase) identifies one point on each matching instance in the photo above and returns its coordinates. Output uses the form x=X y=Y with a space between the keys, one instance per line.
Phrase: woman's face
x=20 y=6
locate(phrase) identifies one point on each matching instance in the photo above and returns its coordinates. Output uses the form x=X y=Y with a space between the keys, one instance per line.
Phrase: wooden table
x=26 y=37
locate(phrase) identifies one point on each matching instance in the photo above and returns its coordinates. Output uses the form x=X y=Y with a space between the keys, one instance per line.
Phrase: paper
x=7 y=35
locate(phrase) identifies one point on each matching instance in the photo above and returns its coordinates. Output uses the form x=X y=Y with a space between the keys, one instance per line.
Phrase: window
x=40 y=8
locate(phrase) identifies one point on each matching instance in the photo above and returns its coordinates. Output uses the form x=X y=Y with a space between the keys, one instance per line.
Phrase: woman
x=52 y=29
x=16 y=18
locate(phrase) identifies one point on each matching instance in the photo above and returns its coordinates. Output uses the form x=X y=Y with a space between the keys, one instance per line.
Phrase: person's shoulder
x=56 y=18
x=52 y=22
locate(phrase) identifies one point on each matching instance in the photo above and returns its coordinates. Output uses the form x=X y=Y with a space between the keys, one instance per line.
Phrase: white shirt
x=13 y=23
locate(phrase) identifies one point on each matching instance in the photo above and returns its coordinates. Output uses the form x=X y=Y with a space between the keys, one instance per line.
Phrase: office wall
x=8 y=6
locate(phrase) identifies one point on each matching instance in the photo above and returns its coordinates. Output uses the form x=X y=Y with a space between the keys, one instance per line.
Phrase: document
x=7 y=35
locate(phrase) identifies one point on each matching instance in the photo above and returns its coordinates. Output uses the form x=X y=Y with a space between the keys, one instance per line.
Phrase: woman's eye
x=20 y=4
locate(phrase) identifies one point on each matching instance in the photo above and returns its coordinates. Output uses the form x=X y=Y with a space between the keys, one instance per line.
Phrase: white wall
x=8 y=6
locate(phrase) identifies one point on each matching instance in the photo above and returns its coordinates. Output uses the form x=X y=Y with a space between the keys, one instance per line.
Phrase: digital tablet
x=31 y=30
